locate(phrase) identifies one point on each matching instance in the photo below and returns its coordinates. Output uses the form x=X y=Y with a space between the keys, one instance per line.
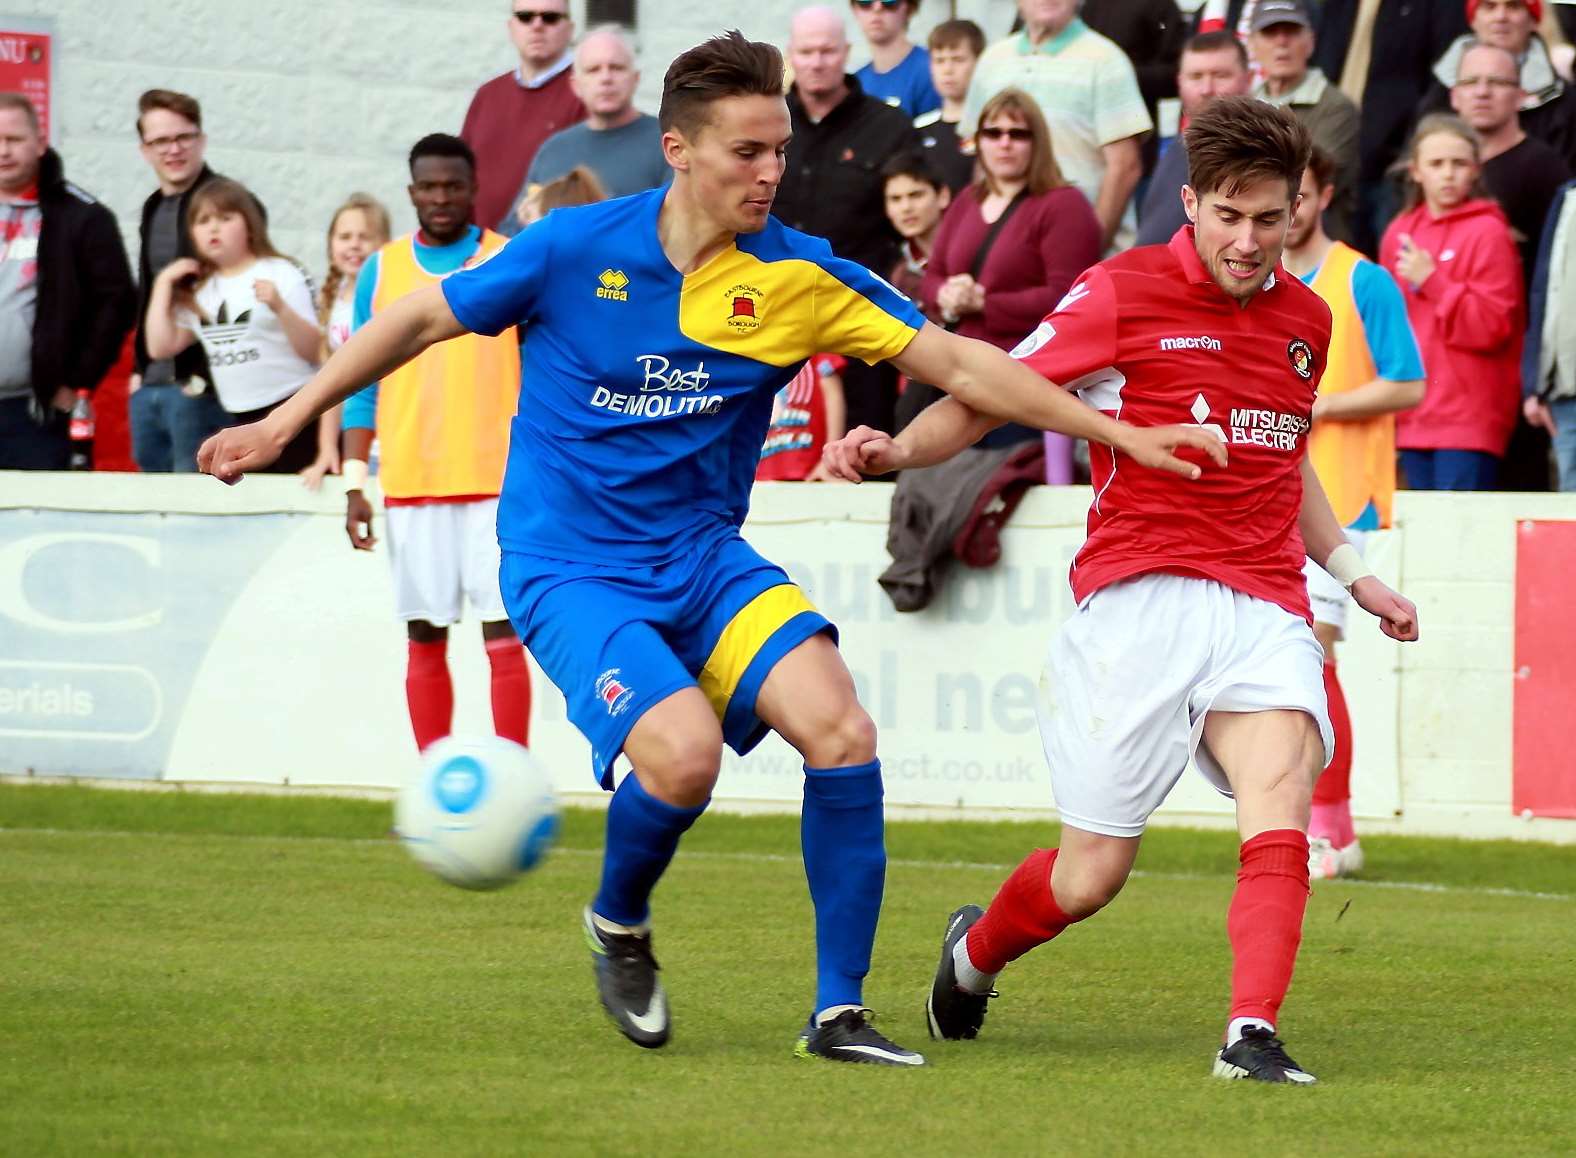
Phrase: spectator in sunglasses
x=511 y=115
x=899 y=69
x=1012 y=243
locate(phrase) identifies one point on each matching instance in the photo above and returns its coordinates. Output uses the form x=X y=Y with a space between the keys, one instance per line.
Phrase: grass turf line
x=269 y=995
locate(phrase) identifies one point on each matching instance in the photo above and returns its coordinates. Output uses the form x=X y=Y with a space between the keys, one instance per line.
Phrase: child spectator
x=1452 y=251
x=807 y=413
x=358 y=229
x=916 y=197
x=579 y=186
x=955 y=47
x=250 y=306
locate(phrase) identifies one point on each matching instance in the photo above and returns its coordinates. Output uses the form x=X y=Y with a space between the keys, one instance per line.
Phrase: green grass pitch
x=230 y=975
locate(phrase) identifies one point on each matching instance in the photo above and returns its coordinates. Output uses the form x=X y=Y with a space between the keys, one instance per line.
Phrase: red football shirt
x=1148 y=337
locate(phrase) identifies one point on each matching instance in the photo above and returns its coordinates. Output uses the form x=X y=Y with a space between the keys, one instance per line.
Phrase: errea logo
x=1199 y=342
x=612 y=287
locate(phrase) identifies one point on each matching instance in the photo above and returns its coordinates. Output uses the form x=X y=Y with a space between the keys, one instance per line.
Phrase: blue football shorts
x=618 y=639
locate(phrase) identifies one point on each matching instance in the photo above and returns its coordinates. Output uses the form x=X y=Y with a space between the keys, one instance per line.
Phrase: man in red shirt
x=511 y=115
x=1193 y=633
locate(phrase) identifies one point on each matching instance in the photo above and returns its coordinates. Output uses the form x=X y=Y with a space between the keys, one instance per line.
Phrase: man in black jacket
x=173 y=406
x=832 y=186
x=66 y=297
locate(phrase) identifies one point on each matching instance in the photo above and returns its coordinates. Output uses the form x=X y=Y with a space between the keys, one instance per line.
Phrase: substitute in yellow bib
x=1373 y=370
x=442 y=425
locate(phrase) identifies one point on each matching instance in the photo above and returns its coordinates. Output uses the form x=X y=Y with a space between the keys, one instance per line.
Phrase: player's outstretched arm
x=390 y=339
x=992 y=383
x=941 y=430
x=1327 y=545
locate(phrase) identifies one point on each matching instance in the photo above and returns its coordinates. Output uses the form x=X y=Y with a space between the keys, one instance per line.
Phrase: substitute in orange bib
x=1373 y=371
x=442 y=423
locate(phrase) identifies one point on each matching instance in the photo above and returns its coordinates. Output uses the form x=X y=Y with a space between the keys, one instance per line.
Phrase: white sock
x=969 y=977
x=618 y=930
x=833 y=1011
x=1238 y=1024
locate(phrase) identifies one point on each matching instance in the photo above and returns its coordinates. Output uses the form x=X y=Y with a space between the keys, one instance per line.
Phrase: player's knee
x=1088 y=890
x=849 y=738
x=685 y=771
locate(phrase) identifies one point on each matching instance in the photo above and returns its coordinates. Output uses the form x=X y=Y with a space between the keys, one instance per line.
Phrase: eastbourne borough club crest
x=1301 y=357
x=744 y=308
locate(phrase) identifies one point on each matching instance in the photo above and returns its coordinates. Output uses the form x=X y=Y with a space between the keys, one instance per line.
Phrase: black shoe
x=1260 y=1055
x=626 y=981
x=849 y=1037
x=951 y=1011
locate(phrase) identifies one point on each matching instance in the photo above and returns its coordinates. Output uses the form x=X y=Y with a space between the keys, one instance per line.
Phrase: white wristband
x=1346 y=565
x=354 y=471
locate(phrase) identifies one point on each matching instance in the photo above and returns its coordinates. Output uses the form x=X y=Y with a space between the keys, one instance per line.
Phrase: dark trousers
x=872 y=394
x=299 y=453
x=1449 y=470
x=27 y=444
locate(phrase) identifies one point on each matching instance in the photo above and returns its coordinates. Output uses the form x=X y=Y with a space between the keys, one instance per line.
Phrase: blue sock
x=840 y=832
x=642 y=836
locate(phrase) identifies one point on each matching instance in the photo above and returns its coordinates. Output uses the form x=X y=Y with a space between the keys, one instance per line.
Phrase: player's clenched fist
x=1397 y=614
x=229 y=454
x=1155 y=447
x=863 y=451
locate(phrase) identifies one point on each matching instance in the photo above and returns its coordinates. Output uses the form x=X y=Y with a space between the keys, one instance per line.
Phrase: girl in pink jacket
x=1452 y=252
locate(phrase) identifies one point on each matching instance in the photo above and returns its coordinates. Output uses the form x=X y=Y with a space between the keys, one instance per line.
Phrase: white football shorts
x=1330 y=600
x=444 y=554
x=1130 y=677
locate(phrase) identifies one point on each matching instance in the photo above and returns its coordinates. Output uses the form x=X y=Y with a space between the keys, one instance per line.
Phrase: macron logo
x=1202 y=342
x=1072 y=297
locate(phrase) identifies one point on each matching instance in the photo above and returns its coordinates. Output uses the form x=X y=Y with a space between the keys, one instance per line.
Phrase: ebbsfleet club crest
x=744 y=308
x=1300 y=354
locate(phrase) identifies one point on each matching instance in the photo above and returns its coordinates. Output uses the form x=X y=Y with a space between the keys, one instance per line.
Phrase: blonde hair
x=579 y=186
x=377 y=219
x=1429 y=126
x=1044 y=173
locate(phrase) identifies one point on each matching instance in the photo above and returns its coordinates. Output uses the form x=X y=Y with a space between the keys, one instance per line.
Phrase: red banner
x=1544 y=752
x=24 y=68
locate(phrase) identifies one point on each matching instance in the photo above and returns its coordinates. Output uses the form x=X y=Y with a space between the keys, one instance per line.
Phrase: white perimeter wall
x=309 y=100
x=164 y=626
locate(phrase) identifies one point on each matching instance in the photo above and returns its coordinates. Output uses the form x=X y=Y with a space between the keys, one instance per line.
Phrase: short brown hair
x=957 y=34
x=1216 y=40
x=1044 y=173
x=226 y=196
x=1322 y=167
x=1239 y=141
x=15 y=100
x=170 y=101
x=724 y=66
x=579 y=186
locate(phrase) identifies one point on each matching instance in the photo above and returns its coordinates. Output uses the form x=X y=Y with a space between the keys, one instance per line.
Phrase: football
x=478 y=812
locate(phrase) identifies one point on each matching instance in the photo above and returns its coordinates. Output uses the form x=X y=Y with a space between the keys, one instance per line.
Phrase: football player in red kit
x=1192 y=635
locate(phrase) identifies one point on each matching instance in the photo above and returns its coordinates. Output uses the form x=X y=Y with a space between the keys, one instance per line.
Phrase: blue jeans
x=1564 y=411
x=1449 y=470
x=167 y=426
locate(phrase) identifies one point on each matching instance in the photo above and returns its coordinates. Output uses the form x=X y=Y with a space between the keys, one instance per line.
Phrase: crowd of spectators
x=980 y=171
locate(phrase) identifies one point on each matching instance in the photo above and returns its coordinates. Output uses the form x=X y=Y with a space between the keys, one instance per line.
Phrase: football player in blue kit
x=660 y=327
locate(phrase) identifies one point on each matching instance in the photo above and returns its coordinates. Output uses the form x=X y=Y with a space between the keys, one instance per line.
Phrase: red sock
x=1022 y=915
x=1265 y=921
x=511 y=689
x=429 y=692
x=1335 y=784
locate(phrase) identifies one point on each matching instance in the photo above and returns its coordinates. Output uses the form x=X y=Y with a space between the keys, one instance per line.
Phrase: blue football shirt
x=907 y=85
x=646 y=393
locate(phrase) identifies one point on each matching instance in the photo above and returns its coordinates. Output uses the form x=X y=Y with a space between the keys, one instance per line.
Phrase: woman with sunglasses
x=1012 y=243
x=512 y=114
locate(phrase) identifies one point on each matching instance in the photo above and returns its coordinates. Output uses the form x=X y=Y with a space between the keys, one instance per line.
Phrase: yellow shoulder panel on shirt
x=782 y=312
